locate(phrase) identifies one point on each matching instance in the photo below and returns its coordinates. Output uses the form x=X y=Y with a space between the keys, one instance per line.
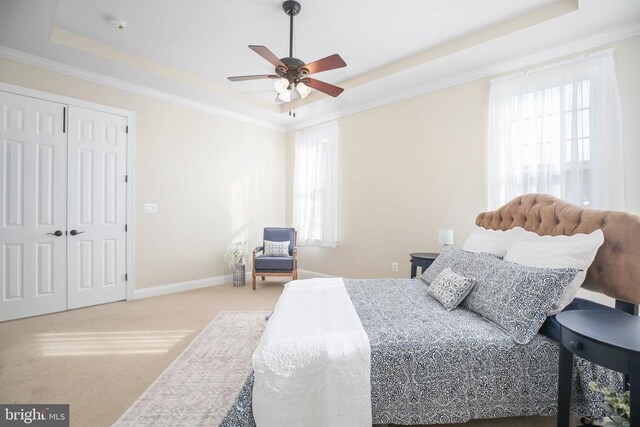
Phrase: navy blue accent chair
x=264 y=265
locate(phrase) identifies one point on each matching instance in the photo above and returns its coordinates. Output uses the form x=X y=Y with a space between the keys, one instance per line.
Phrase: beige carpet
x=101 y=359
x=103 y=372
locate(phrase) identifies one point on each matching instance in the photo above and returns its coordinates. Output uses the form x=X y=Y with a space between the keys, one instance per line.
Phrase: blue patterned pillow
x=515 y=297
x=450 y=288
x=458 y=261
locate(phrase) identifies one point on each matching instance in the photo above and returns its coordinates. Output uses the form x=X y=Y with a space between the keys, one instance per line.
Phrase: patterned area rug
x=200 y=386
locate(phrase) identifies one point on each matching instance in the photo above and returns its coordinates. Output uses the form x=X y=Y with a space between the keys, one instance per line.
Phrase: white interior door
x=96 y=207
x=33 y=185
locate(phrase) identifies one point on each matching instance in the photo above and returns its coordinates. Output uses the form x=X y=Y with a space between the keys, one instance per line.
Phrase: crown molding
x=565 y=49
x=72 y=71
x=113 y=54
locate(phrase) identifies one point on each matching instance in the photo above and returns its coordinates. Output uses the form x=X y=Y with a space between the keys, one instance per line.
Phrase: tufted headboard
x=615 y=271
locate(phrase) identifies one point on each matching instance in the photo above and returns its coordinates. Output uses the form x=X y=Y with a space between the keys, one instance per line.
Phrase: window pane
x=551 y=131
x=553 y=100
x=582 y=123
x=585 y=152
x=568 y=128
x=568 y=97
x=584 y=94
x=585 y=187
x=553 y=153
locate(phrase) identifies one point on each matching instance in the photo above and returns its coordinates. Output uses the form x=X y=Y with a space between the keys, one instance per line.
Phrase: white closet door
x=33 y=197
x=96 y=207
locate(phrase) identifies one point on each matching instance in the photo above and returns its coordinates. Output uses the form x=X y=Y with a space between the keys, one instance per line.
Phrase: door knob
x=75 y=232
x=56 y=233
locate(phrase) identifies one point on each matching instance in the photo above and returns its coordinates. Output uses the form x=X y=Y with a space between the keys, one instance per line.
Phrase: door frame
x=131 y=122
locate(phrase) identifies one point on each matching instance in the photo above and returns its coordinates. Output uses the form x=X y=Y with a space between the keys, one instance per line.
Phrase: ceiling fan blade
x=327 y=88
x=253 y=77
x=329 y=63
x=268 y=55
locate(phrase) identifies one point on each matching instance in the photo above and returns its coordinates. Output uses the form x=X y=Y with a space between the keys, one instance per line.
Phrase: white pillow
x=494 y=242
x=577 y=251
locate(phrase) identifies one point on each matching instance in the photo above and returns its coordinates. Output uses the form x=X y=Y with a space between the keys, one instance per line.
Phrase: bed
x=433 y=366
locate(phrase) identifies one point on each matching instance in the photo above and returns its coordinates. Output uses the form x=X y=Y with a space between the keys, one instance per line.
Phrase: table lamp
x=445 y=238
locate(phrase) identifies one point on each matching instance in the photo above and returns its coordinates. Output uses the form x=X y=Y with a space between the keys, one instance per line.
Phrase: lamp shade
x=285 y=96
x=445 y=236
x=281 y=85
x=303 y=90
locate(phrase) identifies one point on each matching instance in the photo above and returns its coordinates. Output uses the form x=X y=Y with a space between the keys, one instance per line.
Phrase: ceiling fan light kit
x=291 y=81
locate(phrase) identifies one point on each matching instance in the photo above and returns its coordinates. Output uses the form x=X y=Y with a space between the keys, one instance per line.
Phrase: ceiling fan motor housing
x=295 y=69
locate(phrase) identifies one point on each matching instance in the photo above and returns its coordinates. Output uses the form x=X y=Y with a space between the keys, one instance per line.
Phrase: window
x=557 y=130
x=315 y=186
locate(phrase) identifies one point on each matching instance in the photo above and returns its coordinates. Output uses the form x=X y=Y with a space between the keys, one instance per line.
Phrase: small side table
x=609 y=339
x=422 y=260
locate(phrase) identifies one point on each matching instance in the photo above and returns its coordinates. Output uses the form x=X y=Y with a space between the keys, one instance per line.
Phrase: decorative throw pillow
x=458 y=261
x=450 y=288
x=515 y=297
x=276 y=248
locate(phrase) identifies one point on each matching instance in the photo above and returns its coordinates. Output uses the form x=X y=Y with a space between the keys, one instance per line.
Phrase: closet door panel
x=33 y=187
x=97 y=207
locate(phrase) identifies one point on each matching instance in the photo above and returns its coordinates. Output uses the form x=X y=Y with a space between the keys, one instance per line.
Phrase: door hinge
x=126 y=277
x=64 y=119
x=126 y=227
x=126 y=178
x=127 y=128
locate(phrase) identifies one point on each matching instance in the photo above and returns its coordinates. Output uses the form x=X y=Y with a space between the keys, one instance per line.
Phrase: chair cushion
x=283 y=263
x=278 y=234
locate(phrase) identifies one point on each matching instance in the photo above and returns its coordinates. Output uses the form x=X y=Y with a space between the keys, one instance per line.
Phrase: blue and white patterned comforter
x=433 y=366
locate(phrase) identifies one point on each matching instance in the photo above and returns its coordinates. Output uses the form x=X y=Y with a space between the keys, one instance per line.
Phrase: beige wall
x=213 y=179
x=415 y=166
x=409 y=168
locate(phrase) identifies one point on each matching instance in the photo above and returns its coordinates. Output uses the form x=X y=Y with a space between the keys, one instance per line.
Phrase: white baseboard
x=190 y=285
x=313 y=273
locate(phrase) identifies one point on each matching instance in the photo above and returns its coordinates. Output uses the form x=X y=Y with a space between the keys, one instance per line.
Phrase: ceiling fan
x=291 y=74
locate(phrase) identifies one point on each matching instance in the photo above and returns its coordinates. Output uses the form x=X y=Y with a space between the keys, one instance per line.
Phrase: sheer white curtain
x=558 y=130
x=315 y=186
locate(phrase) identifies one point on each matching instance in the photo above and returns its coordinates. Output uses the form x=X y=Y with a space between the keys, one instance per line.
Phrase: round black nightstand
x=607 y=338
x=422 y=260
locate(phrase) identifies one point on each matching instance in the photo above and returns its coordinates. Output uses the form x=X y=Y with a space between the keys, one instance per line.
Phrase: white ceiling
x=208 y=39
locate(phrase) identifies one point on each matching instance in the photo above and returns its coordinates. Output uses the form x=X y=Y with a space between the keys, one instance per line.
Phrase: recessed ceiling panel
x=210 y=37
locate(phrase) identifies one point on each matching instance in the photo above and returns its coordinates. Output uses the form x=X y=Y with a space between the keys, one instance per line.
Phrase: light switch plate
x=150 y=208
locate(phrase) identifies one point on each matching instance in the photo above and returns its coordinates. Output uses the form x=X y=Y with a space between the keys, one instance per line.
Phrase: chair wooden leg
x=263 y=278
x=254 y=280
